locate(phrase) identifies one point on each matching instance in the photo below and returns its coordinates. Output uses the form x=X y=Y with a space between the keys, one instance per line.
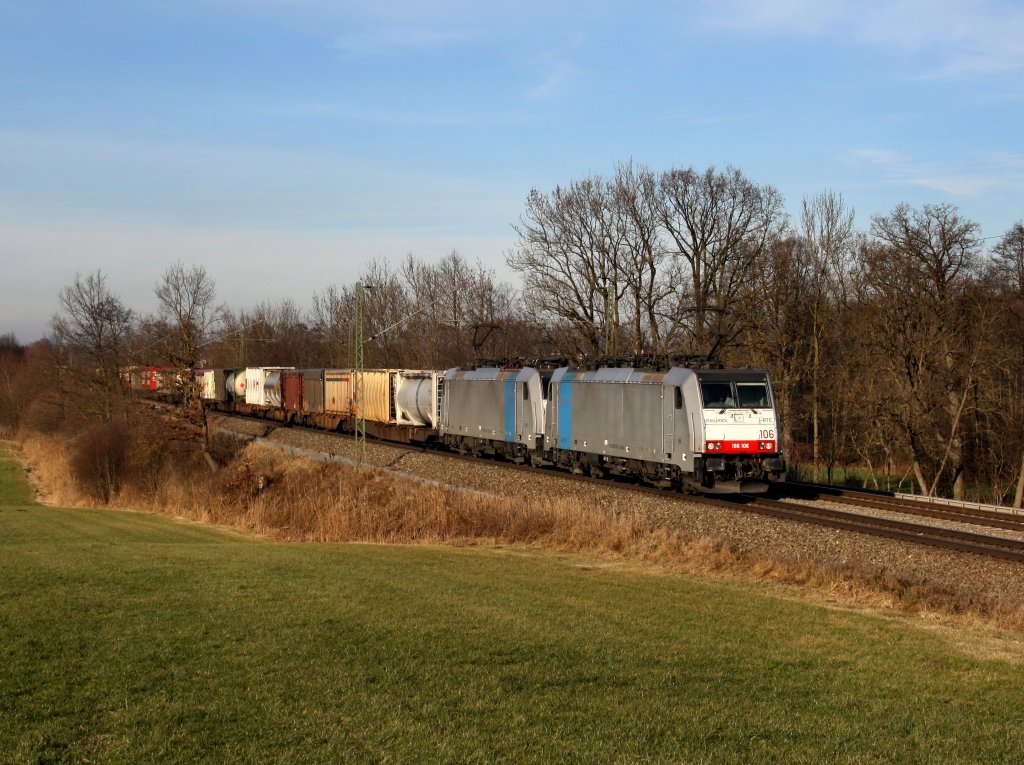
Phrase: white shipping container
x=255 y=379
x=207 y=381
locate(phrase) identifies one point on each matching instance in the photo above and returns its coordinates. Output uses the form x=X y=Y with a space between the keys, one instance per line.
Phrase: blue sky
x=284 y=144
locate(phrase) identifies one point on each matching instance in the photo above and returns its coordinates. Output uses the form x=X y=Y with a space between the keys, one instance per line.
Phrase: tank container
x=272 y=389
x=416 y=398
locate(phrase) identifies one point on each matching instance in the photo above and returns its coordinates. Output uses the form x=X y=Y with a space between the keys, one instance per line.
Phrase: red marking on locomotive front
x=739 y=447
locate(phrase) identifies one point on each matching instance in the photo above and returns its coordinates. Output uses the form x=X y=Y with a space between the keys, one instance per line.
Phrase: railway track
x=916 y=533
x=898 y=530
x=922 y=508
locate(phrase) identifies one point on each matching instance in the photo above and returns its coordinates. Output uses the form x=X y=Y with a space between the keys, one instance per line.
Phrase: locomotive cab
x=740 y=449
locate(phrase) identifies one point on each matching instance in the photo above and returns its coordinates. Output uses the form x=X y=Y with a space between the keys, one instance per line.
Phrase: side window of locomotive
x=679 y=397
x=753 y=395
x=526 y=392
x=717 y=395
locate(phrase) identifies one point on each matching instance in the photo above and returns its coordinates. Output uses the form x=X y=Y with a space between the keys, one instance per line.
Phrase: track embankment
x=902 y=567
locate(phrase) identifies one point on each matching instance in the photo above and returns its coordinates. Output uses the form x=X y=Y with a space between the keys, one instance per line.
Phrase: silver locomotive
x=711 y=430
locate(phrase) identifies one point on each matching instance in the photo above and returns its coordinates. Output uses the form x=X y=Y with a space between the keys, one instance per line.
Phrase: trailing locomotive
x=710 y=430
x=679 y=426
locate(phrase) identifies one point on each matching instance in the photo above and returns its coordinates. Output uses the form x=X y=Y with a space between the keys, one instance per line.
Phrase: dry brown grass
x=290 y=498
x=50 y=463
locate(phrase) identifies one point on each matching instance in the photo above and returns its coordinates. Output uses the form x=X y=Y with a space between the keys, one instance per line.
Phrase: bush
x=99 y=459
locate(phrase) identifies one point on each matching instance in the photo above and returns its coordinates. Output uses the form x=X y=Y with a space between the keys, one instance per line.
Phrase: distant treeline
x=899 y=350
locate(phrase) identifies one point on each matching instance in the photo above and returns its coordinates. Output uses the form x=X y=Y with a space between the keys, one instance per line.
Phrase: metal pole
x=360 y=369
x=611 y=317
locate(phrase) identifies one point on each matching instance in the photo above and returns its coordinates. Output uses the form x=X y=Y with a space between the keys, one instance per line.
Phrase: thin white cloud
x=401 y=118
x=984 y=174
x=194 y=183
x=957 y=37
x=410 y=27
x=957 y=185
x=804 y=17
x=556 y=79
x=391 y=40
x=882 y=157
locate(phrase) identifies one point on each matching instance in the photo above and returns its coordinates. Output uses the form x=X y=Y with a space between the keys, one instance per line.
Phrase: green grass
x=132 y=638
x=855 y=477
x=851 y=477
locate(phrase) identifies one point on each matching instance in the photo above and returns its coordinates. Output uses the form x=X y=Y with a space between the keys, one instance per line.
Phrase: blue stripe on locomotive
x=510 y=410
x=565 y=412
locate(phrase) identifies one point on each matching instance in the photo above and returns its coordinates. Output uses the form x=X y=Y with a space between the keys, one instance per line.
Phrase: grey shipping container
x=313 y=390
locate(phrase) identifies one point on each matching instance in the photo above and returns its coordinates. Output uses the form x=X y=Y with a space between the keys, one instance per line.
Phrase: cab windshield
x=730 y=395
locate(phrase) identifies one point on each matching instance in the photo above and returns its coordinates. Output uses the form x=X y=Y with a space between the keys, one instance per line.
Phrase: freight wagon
x=397 y=404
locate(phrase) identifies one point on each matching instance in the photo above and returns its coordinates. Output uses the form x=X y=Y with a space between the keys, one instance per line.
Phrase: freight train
x=666 y=423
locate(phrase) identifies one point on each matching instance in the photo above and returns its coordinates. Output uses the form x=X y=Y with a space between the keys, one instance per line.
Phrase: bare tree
x=329 y=320
x=719 y=225
x=922 y=323
x=92 y=332
x=272 y=334
x=437 y=309
x=188 y=313
x=1006 y=411
x=777 y=334
x=828 y=236
x=1009 y=257
x=459 y=312
x=12 y=357
x=651 y=262
x=569 y=255
x=646 y=268
x=385 y=304
x=30 y=394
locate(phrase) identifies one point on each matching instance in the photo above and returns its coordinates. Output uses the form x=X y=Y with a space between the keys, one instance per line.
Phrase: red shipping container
x=292 y=386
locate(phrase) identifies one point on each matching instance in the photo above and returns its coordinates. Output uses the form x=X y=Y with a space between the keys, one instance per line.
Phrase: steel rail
x=931 y=536
x=923 y=508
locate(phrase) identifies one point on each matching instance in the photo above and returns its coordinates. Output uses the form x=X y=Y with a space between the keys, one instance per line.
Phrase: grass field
x=134 y=638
